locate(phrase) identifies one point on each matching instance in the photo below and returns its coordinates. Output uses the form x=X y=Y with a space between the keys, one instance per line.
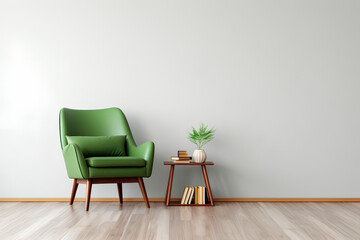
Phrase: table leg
x=203 y=167
x=168 y=191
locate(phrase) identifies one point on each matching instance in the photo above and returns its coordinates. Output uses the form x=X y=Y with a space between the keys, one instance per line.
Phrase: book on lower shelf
x=184 y=195
x=194 y=195
x=190 y=195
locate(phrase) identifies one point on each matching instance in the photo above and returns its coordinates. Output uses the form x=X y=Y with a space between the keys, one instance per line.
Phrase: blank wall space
x=278 y=79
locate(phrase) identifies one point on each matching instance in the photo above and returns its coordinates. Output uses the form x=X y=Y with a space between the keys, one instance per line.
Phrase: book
x=182 y=161
x=174 y=158
x=183 y=155
x=206 y=199
x=184 y=195
x=196 y=195
x=202 y=195
x=187 y=196
x=182 y=152
x=199 y=195
x=191 y=195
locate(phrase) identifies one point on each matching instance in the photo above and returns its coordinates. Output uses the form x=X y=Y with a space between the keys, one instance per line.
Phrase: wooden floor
x=107 y=220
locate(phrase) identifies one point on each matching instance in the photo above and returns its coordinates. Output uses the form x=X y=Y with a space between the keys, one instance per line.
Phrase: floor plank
x=227 y=220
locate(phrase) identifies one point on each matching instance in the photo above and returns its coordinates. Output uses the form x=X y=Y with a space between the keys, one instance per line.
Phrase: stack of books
x=182 y=157
x=194 y=195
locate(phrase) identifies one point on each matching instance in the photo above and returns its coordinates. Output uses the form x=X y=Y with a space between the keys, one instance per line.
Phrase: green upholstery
x=75 y=163
x=116 y=172
x=99 y=145
x=102 y=122
x=115 y=162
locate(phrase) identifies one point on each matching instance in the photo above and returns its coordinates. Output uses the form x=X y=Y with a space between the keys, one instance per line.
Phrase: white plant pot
x=199 y=156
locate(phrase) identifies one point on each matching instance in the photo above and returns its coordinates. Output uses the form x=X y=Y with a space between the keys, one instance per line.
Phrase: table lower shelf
x=168 y=201
x=189 y=205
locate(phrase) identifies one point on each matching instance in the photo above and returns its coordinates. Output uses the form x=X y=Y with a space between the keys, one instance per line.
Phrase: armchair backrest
x=100 y=122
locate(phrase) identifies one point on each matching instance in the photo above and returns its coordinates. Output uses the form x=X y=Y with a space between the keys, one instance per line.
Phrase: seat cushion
x=95 y=146
x=115 y=172
x=124 y=161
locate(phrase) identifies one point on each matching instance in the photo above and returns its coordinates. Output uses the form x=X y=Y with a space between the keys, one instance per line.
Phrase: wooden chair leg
x=143 y=191
x=73 y=193
x=119 y=187
x=88 y=193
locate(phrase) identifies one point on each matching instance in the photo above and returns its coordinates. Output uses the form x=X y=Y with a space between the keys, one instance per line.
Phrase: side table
x=206 y=179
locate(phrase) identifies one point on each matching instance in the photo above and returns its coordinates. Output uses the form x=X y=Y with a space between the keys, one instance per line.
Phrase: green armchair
x=98 y=147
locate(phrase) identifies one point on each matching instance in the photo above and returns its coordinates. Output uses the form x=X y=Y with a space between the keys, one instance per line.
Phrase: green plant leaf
x=201 y=136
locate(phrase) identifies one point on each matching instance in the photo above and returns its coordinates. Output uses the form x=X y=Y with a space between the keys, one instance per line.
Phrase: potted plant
x=200 y=138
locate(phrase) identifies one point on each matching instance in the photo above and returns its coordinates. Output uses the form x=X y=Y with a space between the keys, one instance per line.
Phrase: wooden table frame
x=206 y=179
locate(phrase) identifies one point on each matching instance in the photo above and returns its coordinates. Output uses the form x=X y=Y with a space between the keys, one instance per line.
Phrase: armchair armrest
x=76 y=166
x=145 y=151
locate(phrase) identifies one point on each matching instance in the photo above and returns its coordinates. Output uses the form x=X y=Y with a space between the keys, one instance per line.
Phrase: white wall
x=280 y=80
